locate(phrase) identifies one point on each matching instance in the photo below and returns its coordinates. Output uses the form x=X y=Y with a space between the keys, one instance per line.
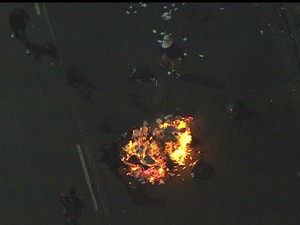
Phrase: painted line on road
x=86 y=174
x=104 y=206
x=37 y=8
x=93 y=167
x=49 y=24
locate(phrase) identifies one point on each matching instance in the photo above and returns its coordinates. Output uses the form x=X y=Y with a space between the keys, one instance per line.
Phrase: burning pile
x=154 y=151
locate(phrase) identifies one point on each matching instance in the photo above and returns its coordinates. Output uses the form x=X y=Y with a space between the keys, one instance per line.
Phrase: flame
x=149 y=149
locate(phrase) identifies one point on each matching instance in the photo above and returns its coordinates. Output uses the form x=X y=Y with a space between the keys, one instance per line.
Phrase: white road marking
x=49 y=23
x=86 y=174
x=37 y=8
x=82 y=133
x=93 y=167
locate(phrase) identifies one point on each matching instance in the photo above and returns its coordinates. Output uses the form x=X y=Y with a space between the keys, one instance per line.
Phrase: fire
x=151 y=149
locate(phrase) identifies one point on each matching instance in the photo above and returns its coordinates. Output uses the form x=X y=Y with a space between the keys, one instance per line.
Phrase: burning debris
x=155 y=151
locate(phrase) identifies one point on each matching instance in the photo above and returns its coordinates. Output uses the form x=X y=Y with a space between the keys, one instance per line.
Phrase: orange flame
x=148 y=151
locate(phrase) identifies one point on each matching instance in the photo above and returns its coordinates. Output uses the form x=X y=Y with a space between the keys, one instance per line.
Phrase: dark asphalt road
x=39 y=133
x=257 y=158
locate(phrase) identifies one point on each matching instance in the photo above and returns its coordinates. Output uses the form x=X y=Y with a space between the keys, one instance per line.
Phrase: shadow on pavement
x=141 y=74
x=141 y=198
x=194 y=78
x=138 y=103
x=47 y=50
x=115 y=125
x=81 y=85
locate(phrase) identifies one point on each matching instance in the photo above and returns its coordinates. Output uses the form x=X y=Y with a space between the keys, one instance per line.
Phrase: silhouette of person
x=73 y=205
x=18 y=19
x=171 y=54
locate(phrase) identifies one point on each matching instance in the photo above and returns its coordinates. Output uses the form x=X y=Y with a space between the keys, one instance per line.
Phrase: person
x=73 y=205
x=171 y=55
x=18 y=19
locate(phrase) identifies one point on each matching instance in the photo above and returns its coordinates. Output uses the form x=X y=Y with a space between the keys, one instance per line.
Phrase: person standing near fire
x=18 y=19
x=171 y=55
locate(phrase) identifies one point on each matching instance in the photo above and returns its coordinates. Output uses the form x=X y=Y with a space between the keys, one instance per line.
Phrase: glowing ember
x=152 y=149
